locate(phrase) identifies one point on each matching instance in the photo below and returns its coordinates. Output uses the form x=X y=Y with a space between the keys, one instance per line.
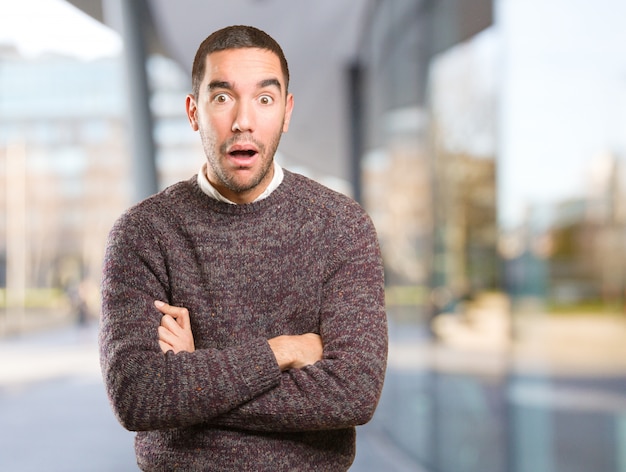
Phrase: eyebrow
x=219 y=84
x=269 y=83
x=222 y=84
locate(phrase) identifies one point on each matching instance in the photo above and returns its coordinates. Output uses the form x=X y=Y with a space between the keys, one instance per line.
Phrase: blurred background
x=487 y=140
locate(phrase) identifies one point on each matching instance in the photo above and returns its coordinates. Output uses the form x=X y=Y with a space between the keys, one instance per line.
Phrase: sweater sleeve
x=342 y=390
x=149 y=390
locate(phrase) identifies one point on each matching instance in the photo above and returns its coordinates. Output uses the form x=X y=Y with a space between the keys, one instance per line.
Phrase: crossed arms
x=291 y=352
x=327 y=376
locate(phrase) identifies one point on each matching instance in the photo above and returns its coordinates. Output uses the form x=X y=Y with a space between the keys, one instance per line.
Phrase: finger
x=163 y=307
x=167 y=336
x=167 y=321
x=160 y=305
x=183 y=319
x=168 y=309
x=165 y=347
x=179 y=313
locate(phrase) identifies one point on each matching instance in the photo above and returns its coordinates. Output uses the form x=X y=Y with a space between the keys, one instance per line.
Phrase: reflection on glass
x=506 y=258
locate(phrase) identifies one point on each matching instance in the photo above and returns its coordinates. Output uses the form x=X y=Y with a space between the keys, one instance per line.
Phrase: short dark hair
x=234 y=37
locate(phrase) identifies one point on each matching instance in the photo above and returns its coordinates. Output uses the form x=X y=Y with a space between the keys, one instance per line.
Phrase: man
x=243 y=324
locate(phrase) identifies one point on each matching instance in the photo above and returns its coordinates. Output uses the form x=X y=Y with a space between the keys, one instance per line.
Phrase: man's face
x=241 y=111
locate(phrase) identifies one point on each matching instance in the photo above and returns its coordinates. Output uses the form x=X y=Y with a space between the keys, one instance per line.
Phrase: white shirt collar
x=212 y=192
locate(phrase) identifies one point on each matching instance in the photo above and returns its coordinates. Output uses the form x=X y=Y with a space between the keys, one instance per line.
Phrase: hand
x=175 y=330
x=295 y=352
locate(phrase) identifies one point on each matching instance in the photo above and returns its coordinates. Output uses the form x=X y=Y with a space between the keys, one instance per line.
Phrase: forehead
x=244 y=64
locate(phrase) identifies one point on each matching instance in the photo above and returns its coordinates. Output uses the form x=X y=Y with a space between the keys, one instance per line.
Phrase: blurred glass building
x=65 y=168
x=486 y=140
x=494 y=170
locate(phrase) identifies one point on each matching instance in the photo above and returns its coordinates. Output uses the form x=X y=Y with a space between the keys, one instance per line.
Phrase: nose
x=244 y=118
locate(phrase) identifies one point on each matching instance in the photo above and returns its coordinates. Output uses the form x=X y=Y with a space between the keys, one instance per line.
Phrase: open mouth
x=242 y=153
x=242 y=150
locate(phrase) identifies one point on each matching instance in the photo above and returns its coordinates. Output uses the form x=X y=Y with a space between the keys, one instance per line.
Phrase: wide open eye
x=221 y=98
x=266 y=100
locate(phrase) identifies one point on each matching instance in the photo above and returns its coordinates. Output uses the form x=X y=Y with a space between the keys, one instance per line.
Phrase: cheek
x=272 y=124
x=207 y=136
x=210 y=127
x=220 y=125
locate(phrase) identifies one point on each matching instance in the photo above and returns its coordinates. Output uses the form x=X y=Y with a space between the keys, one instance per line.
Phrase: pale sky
x=36 y=27
x=563 y=97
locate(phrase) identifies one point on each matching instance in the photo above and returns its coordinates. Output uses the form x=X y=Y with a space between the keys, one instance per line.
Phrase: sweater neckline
x=237 y=209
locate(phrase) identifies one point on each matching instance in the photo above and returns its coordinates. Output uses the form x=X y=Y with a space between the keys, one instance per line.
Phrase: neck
x=243 y=196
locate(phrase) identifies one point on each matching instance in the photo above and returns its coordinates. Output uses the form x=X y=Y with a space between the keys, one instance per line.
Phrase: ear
x=288 y=110
x=192 y=111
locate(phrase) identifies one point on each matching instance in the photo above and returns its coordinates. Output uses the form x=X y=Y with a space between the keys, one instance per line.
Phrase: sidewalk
x=52 y=399
x=53 y=409
x=18 y=321
x=551 y=400
x=55 y=415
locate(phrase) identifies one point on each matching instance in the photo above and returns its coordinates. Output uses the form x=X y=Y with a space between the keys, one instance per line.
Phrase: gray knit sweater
x=305 y=259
